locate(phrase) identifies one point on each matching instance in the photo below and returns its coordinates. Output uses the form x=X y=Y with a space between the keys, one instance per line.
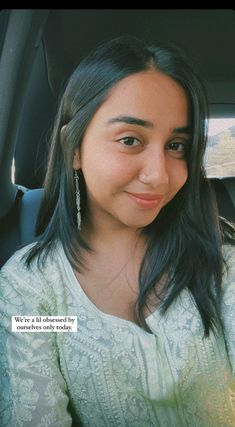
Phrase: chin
x=140 y=224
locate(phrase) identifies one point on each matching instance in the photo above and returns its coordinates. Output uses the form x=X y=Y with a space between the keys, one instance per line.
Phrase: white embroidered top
x=111 y=373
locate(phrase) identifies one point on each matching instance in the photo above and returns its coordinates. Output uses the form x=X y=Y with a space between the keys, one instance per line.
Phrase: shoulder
x=228 y=252
x=34 y=279
x=17 y=262
x=16 y=266
x=229 y=268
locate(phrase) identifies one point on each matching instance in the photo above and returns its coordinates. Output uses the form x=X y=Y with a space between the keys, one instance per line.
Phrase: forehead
x=150 y=95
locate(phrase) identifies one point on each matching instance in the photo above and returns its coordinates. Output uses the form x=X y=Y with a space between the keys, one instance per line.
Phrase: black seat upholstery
x=225 y=195
x=18 y=227
x=229 y=183
x=28 y=209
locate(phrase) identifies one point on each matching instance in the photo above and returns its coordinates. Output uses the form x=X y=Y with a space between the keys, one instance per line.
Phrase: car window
x=220 y=153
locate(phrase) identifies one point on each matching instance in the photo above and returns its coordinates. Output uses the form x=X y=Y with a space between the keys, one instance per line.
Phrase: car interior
x=41 y=47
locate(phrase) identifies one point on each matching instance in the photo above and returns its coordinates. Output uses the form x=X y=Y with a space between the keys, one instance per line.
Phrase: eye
x=129 y=141
x=178 y=149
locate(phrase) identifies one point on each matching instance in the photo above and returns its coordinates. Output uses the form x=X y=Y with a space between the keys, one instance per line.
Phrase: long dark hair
x=185 y=239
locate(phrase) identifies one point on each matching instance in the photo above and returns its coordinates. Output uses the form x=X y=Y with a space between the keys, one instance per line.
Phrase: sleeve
x=33 y=390
x=228 y=305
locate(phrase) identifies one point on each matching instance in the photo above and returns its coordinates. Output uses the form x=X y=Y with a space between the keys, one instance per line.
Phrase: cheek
x=179 y=175
x=101 y=176
x=106 y=169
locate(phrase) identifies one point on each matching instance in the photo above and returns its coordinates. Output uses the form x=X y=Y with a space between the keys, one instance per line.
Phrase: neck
x=110 y=235
x=117 y=254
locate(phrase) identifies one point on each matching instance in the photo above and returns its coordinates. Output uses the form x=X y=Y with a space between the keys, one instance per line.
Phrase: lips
x=146 y=200
x=147 y=196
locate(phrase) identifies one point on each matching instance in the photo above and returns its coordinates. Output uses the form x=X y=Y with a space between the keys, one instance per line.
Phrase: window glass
x=220 y=153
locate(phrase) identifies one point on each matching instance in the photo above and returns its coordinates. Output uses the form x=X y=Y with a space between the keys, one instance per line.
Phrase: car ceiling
x=206 y=35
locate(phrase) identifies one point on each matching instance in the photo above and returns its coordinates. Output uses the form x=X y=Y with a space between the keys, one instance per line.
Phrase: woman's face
x=133 y=152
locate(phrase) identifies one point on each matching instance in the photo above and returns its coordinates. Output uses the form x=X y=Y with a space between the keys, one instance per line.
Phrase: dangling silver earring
x=76 y=177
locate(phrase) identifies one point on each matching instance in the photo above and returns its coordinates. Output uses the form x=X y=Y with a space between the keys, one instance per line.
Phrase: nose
x=154 y=170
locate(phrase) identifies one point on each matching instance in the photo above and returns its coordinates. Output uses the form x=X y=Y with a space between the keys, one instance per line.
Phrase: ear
x=76 y=159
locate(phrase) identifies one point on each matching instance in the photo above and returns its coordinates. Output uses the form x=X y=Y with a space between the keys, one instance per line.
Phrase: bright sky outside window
x=220 y=154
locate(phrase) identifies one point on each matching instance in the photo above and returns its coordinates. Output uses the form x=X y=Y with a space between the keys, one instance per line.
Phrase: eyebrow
x=145 y=123
x=131 y=121
x=183 y=129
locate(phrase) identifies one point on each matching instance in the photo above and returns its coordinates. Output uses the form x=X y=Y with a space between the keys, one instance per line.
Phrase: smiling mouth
x=146 y=200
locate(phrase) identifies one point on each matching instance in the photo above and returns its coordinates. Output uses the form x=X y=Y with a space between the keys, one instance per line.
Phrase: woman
x=131 y=244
